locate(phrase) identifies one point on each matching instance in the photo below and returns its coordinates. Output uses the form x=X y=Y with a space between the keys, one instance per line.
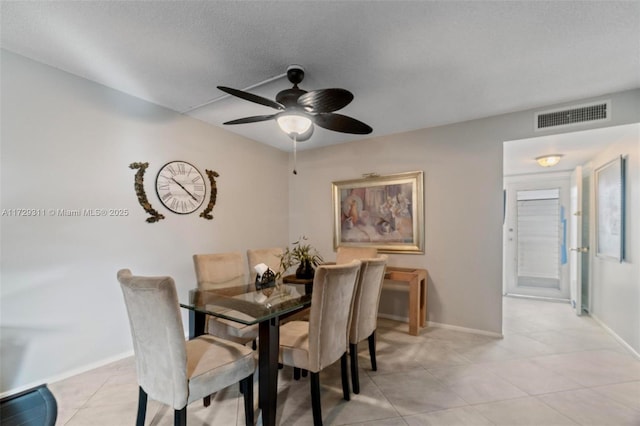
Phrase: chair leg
x=142 y=406
x=315 y=399
x=372 y=350
x=247 y=389
x=355 y=380
x=296 y=373
x=345 y=377
x=206 y=400
x=180 y=417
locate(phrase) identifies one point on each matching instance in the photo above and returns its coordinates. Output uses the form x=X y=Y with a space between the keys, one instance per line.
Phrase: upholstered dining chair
x=268 y=256
x=221 y=270
x=170 y=370
x=344 y=255
x=323 y=340
x=365 y=313
x=347 y=254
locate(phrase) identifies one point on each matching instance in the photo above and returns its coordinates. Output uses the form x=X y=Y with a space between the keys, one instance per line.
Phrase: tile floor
x=551 y=368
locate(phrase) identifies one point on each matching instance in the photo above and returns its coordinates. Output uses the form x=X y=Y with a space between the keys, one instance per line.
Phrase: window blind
x=539 y=238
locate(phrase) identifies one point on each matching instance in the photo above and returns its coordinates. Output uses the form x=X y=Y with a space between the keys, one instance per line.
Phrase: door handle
x=580 y=249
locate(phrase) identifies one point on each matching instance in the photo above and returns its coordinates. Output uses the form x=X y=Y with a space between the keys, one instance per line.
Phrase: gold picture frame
x=385 y=212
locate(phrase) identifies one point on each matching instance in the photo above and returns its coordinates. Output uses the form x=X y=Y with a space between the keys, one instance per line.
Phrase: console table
x=291 y=279
x=416 y=279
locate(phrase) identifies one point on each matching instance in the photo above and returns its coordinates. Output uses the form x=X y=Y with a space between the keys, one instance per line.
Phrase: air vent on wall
x=573 y=115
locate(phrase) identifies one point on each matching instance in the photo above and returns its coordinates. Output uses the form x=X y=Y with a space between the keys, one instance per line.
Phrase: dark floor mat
x=33 y=407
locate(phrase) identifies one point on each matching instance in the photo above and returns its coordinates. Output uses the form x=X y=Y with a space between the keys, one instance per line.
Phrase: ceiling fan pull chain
x=295 y=172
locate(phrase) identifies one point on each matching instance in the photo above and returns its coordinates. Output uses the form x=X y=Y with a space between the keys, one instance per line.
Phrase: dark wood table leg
x=269 y=345
x=196 y=324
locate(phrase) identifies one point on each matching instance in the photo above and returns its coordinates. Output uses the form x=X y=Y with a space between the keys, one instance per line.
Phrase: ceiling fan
x=299 y=110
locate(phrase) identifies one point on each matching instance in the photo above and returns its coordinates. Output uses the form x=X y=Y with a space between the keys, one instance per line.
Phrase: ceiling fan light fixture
x=549 y=160
x=292 y=122
x=303 y=137
x=299 y=110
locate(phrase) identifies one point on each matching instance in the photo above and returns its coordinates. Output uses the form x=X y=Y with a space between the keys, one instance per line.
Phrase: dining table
x=246 y=305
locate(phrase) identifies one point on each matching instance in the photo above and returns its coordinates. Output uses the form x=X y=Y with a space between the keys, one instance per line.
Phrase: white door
x=536 y=239
x=578 y=243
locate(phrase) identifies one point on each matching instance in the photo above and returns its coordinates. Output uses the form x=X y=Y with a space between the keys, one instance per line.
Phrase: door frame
x=575 y=241
x=512 y=184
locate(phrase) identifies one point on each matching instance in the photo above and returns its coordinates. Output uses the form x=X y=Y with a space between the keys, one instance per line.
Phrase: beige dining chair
x=269 y=256
x=364 y=319
x=347 y=254
x=321 y=341
x=343 y=255
x=221 y=270
x=170 y=370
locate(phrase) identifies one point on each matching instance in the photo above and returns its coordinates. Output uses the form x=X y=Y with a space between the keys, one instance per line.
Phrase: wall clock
x=180 y=187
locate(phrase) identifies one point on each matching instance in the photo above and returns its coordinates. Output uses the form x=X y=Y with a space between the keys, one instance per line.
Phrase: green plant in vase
x=302 y=254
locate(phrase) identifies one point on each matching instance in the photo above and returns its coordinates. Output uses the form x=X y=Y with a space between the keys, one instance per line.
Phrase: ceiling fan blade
x=325 y=100
x=253 y=119
x=341 y=123
x=251 y=97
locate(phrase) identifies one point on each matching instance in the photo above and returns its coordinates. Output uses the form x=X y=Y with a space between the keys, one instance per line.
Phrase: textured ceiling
x=410 y=65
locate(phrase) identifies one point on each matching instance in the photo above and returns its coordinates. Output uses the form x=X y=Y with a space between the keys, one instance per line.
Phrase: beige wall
x=67 y=144
x=463 y=185
x=615 y=286
x=463 y=212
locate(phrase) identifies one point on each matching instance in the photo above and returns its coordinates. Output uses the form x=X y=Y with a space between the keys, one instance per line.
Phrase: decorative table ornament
x=265 y=277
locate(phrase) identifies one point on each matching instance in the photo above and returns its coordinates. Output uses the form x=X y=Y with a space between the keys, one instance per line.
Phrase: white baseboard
x=447 y=326
x=465 y=329
x=615 y=336
x=69 y=373
x=74 y=372
x=546 y=299
x=393 y=317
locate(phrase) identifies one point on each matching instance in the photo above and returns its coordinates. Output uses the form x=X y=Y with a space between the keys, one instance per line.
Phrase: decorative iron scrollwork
x=214 y=194
x=142 y=196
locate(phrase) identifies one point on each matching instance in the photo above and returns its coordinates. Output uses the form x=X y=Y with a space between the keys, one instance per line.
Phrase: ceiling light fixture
x=298 y=127
x=299 y=110
x=549 y=160
x=293 y=122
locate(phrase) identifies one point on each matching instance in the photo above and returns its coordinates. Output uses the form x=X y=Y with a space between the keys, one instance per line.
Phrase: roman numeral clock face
x=180 y=187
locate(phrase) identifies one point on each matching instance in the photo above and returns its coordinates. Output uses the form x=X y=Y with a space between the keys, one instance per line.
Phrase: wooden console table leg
x=414 y=306
x=417 y=281
x=423 y=301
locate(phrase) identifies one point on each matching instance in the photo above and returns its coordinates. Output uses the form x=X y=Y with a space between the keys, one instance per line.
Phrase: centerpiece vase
x=305 y=270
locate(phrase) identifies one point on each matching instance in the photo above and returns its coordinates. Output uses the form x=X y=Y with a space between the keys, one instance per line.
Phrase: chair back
x=268 y=256
x=367 y=298
x=219 y=270
x=347 y=254
x=158 y=336
x=330 y=314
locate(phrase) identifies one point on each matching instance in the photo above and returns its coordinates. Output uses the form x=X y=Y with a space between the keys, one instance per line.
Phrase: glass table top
x=245 y=305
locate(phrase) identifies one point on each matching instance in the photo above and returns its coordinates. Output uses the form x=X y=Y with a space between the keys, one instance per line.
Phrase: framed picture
x=610 y=206
x=385 y=212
